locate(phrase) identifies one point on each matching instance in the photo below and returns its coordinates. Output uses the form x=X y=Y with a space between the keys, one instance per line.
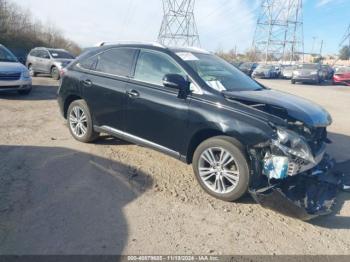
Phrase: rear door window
x=88 y=63
x=117 y=61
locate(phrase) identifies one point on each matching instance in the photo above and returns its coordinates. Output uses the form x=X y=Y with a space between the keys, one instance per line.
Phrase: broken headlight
x=290 y=143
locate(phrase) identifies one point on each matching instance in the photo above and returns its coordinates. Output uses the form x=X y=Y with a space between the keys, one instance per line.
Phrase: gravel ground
x=58 y=196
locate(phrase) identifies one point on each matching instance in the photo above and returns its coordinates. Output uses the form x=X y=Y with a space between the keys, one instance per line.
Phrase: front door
x=154 y=112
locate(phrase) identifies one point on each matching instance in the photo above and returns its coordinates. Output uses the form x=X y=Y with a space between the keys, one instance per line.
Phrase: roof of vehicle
x=151 y=45
x=189 y=49
x=50 y=49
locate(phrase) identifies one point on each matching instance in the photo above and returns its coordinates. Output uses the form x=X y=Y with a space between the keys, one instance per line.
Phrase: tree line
x=20 y=32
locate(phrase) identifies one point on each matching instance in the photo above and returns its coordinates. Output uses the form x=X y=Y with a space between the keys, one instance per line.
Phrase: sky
x=222 y=24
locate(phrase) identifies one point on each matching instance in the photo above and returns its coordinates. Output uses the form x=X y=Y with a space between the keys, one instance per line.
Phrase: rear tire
x=293 y=82
x=55 y=74
x=80 y=122
x=227 y=182
x=32 y=73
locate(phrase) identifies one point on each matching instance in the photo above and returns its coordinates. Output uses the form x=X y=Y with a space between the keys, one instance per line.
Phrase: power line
x=279 y=30
x=179 y=27
x=346 y=37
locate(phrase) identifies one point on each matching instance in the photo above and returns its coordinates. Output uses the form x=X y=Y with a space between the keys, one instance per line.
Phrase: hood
x=284 y=105
x=11 y=67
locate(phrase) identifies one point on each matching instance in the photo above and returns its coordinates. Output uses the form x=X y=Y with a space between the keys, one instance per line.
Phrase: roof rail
x=130 y=42
x=192 y=48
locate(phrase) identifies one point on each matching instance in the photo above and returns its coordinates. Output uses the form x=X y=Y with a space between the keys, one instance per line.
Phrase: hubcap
x=31 y=72
x=78 y=121
x=218 y=170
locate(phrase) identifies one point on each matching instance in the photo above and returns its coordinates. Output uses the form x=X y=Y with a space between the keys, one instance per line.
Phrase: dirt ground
x=58 y=196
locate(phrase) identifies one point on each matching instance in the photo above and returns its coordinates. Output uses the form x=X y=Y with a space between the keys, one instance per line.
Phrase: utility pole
x=279 y=30
x=321 y=48
x=313 y=44
x=179 y=27
x=346 y=38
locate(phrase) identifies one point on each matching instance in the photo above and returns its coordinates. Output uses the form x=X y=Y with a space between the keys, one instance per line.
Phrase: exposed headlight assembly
x=290 y=143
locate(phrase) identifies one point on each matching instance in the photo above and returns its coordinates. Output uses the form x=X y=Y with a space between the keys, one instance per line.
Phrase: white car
x=13 y=75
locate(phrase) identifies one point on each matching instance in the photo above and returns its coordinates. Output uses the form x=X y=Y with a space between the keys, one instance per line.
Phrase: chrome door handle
x=133 y=94
x=87 y=83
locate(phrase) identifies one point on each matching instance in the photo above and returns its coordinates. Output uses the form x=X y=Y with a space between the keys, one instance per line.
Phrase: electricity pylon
x=179 y=26
x=346 y=37
x=279 y=30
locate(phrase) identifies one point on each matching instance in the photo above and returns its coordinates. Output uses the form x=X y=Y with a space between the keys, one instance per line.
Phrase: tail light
x=63 y=72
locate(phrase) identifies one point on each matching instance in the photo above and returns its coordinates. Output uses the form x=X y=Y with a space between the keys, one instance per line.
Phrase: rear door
x=155 y=113
x=104 y=86
x=42 y=61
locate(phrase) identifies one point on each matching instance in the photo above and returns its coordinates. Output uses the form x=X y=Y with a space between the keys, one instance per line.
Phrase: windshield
x=61 y=54
x=308 y=66
x=6 y=55
x=219 y=74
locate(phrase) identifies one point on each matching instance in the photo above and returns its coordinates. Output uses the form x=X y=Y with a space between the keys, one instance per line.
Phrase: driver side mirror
x=178 y=82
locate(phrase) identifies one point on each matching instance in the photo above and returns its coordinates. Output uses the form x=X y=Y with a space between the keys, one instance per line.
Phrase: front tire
x=80 y=122
x=32 y=73
x=221 y=168
x=293 y=82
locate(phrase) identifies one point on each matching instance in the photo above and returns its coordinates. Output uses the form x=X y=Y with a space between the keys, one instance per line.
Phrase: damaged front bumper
x=299 y=189
x=305 y=196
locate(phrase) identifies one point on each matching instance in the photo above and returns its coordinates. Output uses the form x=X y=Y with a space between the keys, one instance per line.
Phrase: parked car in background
x=308 y=73
x=48 y=61
x=195 y=107
x=287 y=71
x=14 y=76
x=236 y=64
x=342 y=76
x=248 y=68
x=328 y=72
x=278 y=69
x=265 y=71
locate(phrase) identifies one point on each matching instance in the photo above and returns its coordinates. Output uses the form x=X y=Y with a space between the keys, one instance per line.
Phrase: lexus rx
x=195 y=107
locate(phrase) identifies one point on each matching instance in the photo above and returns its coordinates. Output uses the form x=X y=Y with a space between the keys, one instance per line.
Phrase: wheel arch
x=68 y=101
x=205 y=134
x=52 y=66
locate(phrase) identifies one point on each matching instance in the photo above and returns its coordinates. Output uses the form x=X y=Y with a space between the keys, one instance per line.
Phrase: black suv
x=197 y=108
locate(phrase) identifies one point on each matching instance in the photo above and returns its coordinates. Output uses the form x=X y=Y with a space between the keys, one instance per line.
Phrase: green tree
x=344 y=53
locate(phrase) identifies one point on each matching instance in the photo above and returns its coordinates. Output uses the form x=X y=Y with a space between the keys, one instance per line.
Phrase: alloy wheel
x=31 y=71
x=78 y=121
x=218 y=170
